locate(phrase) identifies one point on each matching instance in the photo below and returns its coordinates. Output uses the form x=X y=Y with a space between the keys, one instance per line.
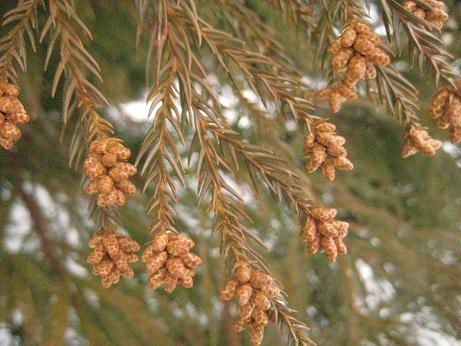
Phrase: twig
x=37 y=219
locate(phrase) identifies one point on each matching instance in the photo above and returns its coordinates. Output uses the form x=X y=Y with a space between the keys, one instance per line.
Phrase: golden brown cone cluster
x=169 y=261
x=12 y=113
x=437 y=16
x=254 y=291
x=415 y=139
x=324 y=149
x=111 y=255
x=354 y=53
x=446 y=110
x=323 y=233
x=108 y=172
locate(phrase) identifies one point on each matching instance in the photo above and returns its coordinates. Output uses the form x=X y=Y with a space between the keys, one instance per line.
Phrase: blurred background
x=399 y=285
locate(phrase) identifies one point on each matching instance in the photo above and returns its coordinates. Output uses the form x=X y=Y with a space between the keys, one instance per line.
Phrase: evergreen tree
x=241 y=175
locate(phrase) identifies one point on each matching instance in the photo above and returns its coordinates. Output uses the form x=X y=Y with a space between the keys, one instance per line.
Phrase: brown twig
x=37 y=219
x=232 y=337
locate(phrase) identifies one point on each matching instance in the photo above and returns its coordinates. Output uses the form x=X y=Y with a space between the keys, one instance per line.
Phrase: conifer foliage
x=191 y=138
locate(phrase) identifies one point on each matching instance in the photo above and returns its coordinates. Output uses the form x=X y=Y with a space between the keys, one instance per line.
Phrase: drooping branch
x=228 y=209
x=159 y=145
x=176 y=61
x=75 y=67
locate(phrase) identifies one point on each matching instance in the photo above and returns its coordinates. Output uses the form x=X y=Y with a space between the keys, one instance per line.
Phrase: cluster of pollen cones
x=254 y=291
x=324 y=149
x=111 y=255
x=435 y=15
x=323 y=233
x=446 y=109
x=417 y=139
x=108 y=172
x=169 y=261
x=12 y=114
x=354 y=54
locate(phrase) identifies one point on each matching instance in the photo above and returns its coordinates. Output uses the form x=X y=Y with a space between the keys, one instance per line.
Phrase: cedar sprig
x=297 y=12
x=178 y=76
x=228 y=208
x=265 y=77
x=92 y=132
x=76 y=68
x=174 y=61
x=341 y=12
x=395 y=92
x=248 y=26
x=398 y=95
x=354 y=55
x=13 y=53
x=76 y=64
x=225 y=203
x=426 y=47
x=283 y=183
x=23 y=21
x=159 y=147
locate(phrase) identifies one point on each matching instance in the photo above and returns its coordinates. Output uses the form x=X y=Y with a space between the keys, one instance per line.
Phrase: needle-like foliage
x=234 y=93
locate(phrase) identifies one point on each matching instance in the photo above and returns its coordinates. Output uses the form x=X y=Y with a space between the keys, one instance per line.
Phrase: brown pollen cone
x=435 y=16
x=354 y=55
x=108 y=172
x=169 y=261
x=324 y=149
x=254 y=292
x=446 y=109
x=111 y=255
x=12 y=114
x=417 y=139
x=325 y=234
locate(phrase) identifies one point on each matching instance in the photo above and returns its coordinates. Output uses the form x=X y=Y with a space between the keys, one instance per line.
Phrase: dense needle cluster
x=435 y=15
x=323 y=233
x=415 y=139
x=254 y=291
x=324 y=149
x=354 y=54
x=111 y=255
x=169 y=261
x=108 y=172
x=12 y=113
x=446 y=109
